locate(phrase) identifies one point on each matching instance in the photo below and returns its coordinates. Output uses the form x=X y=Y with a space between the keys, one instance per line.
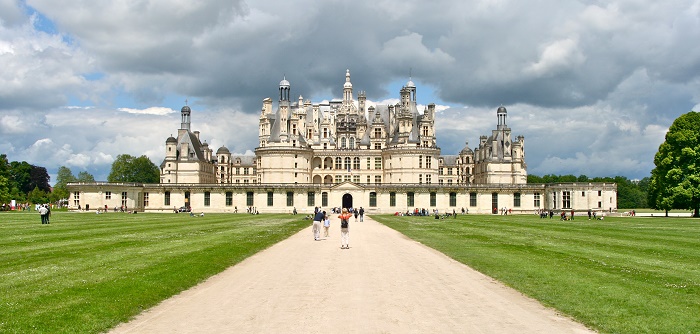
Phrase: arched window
x=356 y=163
x=347 y=163
x=352 y=143
x=343 y=142
x=338 y=163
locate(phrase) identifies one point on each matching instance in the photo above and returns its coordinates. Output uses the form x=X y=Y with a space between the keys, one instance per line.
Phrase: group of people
x=45 y=212
x=322 y=218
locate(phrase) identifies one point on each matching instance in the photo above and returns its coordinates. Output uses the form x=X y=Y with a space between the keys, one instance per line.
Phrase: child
x=326 y=224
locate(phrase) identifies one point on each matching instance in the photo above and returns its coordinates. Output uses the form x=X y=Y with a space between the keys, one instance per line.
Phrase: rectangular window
x=229 y=198
x=124 y=199
x=433 y=199
x=270 y=198
x=377 y=163
x=207 y=198
x=167 y=198
x=249 y=199
x=583 y=194
x=377 y=146
x=392 y=199
x=537 y=200
x=369 y=160
x=290 y=198
x=428 y=179
x=566 y=199
x=311 y=199
x=356 y=178
x=449 y=171
x=410 y=200
x=76 y=198
x=145 y=199
x=378 y=179
x=453 y=199
x=600 y=193
x=324 y=199
x=108 y=195
x=338 y=179
x=516 y=200
x=494 y=202
x=373 y=199
x=369 y=179
x=428 y=161
x=420 y=161
x=472 y=199
x=420 y=178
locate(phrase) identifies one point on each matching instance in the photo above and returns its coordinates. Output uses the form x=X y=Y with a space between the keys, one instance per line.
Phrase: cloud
x=584 y=82
x=150 y=111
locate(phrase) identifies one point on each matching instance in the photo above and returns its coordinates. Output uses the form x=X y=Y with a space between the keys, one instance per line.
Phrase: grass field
x=620 y=275
x=85 y=273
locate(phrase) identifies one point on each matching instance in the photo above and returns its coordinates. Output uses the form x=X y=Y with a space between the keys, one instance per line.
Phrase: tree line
x=631 y=194
x=27 y=183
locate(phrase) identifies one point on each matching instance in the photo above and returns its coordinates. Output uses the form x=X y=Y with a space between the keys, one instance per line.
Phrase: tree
x=85 y=177
x=675 y=181
x=39 y=178
x=127 y=168
x=4 y=190
x=63 y=177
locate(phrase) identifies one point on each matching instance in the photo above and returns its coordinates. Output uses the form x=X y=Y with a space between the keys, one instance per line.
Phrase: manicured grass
x=85 y=273
x=620 y=275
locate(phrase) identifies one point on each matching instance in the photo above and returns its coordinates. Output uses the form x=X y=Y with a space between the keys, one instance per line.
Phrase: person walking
x=326 y=224
x=362 y=214
x=344 y=229
x=318 y=218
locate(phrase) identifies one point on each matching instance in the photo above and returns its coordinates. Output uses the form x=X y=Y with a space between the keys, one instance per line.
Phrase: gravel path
x=385 y=283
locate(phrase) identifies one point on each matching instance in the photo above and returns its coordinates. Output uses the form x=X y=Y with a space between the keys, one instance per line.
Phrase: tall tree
x=39 y=178
x=63 y=177
x=675 y=181
x=127 y=168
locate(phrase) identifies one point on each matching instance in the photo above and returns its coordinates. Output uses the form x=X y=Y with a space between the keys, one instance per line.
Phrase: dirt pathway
x=385 y=283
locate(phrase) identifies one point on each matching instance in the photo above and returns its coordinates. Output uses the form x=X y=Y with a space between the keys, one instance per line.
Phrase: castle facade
x=347 y=153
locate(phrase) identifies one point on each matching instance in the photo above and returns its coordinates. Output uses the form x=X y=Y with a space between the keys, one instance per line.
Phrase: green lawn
x=620 y=275
x=85 y=273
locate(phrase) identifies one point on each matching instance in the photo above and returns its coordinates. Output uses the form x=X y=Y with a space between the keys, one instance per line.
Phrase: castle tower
x=185 y=113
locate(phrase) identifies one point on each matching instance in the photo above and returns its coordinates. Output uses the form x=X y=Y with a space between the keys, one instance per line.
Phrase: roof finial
x=185 y=101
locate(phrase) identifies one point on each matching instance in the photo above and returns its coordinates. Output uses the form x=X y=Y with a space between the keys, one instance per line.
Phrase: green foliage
x=86 y=273
x=38 y=196
x=675 y=181
x=620 y=275
x=4 y=190
x=21 y=179
x=85 y=177
x=127 y=168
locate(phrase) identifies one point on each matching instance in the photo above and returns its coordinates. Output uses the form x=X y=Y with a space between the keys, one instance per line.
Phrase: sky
x=593 y=86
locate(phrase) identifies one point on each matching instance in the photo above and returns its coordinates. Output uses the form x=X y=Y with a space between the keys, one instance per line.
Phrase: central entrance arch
x=347 y=201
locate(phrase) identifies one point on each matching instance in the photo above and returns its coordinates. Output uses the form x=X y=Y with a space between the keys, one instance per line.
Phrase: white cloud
x=149 y=111
x=557 y=56
x=592 y=86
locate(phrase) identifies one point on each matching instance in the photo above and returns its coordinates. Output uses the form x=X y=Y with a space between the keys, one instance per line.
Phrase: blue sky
x=592 y=86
